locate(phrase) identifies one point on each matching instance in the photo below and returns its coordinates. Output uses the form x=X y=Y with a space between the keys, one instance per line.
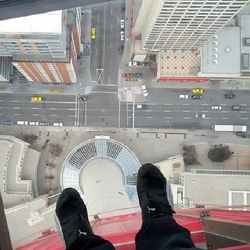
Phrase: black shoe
x=151 y=189
x=71 y=217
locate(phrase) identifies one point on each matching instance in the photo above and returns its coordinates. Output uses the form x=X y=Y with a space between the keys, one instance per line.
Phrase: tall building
x=5 y=68
x=44 y=47
x=182 y=25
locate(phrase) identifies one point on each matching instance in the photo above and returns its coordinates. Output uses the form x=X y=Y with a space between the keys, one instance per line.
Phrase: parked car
x=123 y=7
x=84 y=98
x=183 y=96
x=57 y=124
x=216 y=107
x=198 y=91
x=122 y=35
x=44 y=123
x=229 y=95
x=122 y=24
x=9 y=122
x=144 y=90
x=236 y=107
x=196 y=97
x=121 y=48
x=33 y=123
x=22 y=123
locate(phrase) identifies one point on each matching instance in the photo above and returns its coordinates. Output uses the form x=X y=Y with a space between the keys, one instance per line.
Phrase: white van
x=22 y=123
x=33 y=123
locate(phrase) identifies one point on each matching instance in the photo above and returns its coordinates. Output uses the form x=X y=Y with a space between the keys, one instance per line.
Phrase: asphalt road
x=164 y=109
x=105 y=59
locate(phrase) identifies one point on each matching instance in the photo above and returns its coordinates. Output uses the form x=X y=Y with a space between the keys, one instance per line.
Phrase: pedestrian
x=159 y=230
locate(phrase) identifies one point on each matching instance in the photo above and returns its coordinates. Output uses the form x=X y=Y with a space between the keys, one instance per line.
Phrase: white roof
x=50 y=22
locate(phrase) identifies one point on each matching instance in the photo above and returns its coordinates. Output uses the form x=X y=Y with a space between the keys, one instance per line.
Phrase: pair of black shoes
x=71 y=214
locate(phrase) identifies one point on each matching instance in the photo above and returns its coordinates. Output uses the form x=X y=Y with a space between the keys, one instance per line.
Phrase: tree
x=55 y=149
x=190 y=155
x=219 y=153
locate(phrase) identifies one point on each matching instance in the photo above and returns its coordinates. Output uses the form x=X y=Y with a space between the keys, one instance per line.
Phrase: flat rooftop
x=50 y=22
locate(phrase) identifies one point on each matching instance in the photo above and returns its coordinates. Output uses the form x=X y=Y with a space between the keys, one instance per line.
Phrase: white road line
x=243 y=112
x=13 y=101
x=35 y=114
x=148 y=117
x=70 y=109
x=186 y=111
x=52 y=108
x=111 y=11
x=16 y=107
x=185 y=104
x=168 y=104
x=242 y=104
x=71 y=115
x=35 y=108
x=223 y=104
x=186 y=117
x=148 y=110
x=53 y=115
x=167 y=111
x=111 y=26
x=244 y=118
x=224 y=118
x=168 y=117
x=1 y=100
x=224 y=111
x=207 y=118
x=17 y=114
x=205 y=111
x=204 y=104
x=61 y=102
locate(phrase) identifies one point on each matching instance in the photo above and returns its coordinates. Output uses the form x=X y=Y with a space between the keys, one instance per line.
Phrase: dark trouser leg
x=163 y=233
x=91 y=242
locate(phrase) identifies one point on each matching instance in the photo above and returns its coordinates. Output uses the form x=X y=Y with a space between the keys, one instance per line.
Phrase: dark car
x=123 y=8
x=242 y=134
x=9 y=123
x=196 y=97
x=84 y=98
x=229 y=96
x=237 y=107
x=120 y=50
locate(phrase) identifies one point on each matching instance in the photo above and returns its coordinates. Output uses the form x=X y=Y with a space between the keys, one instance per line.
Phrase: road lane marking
x=35 y=108
x=168 y=104
x=71 y=109
x=185 y=104
x=148 y=110
x=52 y=108
x=205 y=111
x=35 y=114
x=13 y=101
x=224 y=111
x=242 y=104
x=224 y=118
x=243 y=112
x=204 y=104
x=148 y=117
x=168 y=117
x=53 y=115
x=223 y=104
x=16 y=107
x=17 y=114
x=61 y=102
x=111 y=26
x=71 y=115
x=186 y=117
x=186 y=111
x=244 y=118
x=167 y=111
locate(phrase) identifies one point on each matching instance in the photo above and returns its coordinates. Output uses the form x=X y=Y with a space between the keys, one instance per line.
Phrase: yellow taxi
x=36 y=98
x=93 y=33
x=198 y=91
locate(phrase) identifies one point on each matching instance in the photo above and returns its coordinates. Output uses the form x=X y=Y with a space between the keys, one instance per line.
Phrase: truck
x=229 y=128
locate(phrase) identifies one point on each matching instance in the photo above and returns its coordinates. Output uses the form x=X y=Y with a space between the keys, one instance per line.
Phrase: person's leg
x=159 y=230
x=71 y=218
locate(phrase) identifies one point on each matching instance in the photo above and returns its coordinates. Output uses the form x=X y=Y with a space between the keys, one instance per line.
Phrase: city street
x=105 y=59
x=164 y=109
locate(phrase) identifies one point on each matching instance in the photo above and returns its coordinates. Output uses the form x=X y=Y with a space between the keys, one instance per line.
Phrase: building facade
x=5 y=68
x=44 y=47
x=182 y=25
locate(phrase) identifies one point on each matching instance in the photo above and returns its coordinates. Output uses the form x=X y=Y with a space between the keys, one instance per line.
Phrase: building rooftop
x=50 y=22
x=221 y=54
